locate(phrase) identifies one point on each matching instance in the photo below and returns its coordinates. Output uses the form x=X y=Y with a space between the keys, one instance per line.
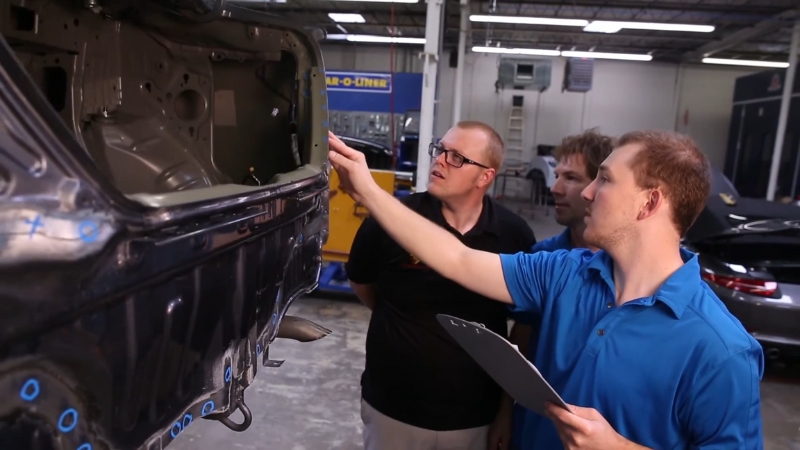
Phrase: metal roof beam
x=777 y=22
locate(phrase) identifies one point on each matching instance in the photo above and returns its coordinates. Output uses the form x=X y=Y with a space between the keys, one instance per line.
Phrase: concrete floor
x=312 y=401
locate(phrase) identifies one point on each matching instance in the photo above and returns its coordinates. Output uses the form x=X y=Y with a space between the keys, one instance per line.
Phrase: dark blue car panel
x=126 y=317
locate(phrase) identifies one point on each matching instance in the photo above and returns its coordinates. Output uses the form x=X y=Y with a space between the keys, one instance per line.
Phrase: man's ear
x=486 y=177
x=653 y=202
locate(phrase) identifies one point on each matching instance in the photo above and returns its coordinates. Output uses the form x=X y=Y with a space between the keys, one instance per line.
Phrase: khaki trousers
x=384 y=433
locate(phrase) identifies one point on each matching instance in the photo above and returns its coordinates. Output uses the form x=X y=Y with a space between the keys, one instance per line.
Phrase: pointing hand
x=351 y=165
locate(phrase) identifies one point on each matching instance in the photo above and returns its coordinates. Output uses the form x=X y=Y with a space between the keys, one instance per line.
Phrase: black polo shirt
x=415 y=372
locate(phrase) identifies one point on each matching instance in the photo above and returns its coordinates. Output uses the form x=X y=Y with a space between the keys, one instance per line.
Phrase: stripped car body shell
x=134 y=304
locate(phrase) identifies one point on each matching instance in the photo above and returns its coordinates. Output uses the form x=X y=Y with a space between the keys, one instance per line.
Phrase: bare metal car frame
x=163 y=199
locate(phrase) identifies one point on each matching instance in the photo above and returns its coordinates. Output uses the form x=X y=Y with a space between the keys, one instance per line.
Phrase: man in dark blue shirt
x=644 y=352
x=579 y=158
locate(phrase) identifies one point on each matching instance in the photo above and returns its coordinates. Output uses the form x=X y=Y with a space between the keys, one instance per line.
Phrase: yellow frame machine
x=345 y=217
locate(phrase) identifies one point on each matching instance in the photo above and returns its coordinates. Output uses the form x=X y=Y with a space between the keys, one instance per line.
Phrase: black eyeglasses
x=452 y=157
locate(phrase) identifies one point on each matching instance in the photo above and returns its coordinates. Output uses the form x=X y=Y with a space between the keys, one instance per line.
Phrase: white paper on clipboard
x=504 y=363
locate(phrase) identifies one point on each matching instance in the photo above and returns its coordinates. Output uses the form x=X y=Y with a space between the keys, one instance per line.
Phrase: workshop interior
x=174 y=240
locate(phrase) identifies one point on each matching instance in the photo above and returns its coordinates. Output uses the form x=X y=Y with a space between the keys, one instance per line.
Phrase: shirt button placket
x=610 y=316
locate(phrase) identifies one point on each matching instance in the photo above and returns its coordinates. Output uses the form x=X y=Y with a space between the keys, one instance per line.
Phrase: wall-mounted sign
x=359 y=82
x=402 y=91
x=775 y=83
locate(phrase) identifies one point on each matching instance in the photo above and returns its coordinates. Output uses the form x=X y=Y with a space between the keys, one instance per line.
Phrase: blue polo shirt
x=561 y=241
x=671 y=371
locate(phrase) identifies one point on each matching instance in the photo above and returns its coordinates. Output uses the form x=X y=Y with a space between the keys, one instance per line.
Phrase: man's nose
x=557 y=188
x=588 y=193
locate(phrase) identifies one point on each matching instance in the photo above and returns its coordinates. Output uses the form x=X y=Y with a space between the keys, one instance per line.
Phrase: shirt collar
x=676 y=292
x=561 y=241
x=487 y=221
x=564 y=240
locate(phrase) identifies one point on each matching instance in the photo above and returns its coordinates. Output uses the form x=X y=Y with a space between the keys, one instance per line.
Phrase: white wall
x=704 y=108
x=625 y=96
x=370 y=57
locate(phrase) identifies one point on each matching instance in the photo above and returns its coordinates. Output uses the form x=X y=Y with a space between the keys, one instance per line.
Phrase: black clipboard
x=504 y=363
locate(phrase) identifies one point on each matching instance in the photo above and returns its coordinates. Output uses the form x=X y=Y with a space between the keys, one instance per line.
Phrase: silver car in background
x=749 y=253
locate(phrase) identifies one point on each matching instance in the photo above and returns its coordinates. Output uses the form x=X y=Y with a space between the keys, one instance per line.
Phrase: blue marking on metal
x=67 y=428
x=35 y=224
x=208 y=408
x=88 y=231
x=26 y=394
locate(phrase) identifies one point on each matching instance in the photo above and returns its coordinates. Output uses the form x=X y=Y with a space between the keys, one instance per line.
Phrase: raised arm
x=478 y=271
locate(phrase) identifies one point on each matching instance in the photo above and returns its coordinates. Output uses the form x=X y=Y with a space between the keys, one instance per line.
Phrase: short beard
x=570 y=221
x=610 y=241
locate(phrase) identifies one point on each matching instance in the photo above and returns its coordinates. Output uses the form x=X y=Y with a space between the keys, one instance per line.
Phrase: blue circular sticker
x=30 y=390
x=71 y=424
x=88 y=231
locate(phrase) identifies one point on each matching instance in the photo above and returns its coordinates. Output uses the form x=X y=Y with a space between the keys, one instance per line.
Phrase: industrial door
x=789 y=172
x=755 y=147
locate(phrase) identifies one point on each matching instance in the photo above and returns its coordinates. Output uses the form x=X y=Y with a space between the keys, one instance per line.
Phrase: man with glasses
x=420 y=390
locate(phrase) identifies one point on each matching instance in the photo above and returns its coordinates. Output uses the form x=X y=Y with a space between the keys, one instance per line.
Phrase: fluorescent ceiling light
x=376 y=39
x=600 y=55
x=516 y=51
x=380 y=1
x=346 y=18
x=744 y=62
x=567 y=54
x=530 y=20
x=605 y=26
x=599 y=26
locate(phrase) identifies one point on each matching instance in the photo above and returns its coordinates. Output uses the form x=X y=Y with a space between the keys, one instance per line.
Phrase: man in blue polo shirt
x=579 y=157
x=644 y=352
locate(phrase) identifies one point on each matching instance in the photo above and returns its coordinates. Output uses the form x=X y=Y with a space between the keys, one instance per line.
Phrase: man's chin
x=565 y=220
x=434 y=189
x=592 y=238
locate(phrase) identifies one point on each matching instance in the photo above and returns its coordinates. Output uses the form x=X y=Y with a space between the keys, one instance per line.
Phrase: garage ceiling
x=744 y=29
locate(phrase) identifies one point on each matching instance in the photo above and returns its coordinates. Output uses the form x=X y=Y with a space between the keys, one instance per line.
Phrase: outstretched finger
x=336 y=145
x=332 y=138
x=340 y=162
